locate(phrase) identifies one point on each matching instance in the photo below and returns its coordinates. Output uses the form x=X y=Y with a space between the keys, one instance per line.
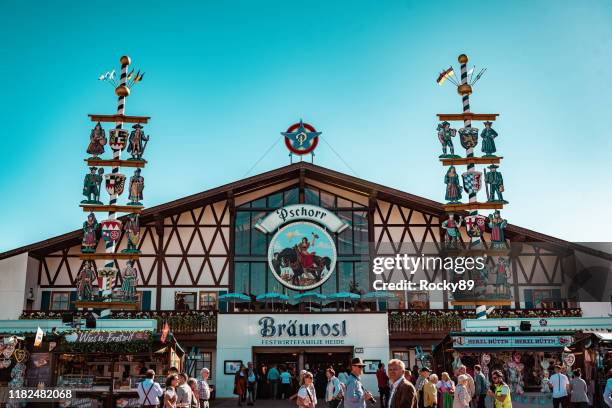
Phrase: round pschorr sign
x=302 y=255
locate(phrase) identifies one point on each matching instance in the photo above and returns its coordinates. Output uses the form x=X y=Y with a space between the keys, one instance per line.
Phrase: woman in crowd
x=430 y=392
x=462 y=394
x=240 y=384
x=170 y=391
x=578 y=388
x=306 y=398
x=446 y=386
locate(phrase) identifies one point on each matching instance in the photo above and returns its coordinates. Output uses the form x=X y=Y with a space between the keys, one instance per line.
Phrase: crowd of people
x=181 y=391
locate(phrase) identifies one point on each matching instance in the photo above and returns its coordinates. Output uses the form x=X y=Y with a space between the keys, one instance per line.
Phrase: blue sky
x=224 y=78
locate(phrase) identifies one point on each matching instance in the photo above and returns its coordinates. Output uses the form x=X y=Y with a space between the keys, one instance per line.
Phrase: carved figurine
x=488 y=136
x=90 y=234
x=130 y=281
x=451 y=228
x=86 y=279
x=97 y=140
x=91 y=188
x=445 y=135
x=132 y=230
x=137 y=142
x=502 y=284
x=495 y=184
x=497 y=225
x=453 y=188
x=99 y=178
x=136 y=187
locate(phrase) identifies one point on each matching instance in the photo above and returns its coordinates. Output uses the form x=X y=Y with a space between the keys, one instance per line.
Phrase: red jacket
x=383 y=379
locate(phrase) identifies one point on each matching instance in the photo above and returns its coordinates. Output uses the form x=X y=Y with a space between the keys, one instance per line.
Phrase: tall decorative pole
x=122 y=92
x=474 y=223
x=112 y=227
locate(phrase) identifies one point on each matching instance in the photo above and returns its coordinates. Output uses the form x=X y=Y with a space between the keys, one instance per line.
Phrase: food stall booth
x=105 y=367
x=593 y=353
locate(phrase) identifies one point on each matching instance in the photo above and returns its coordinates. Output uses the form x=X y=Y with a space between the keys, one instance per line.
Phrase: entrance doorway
x=295 y=359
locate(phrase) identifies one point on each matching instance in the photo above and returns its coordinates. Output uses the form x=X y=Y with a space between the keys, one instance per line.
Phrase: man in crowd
x=420 y=383
x=403 y=393
x=204 y=388
x=383 y=385
x=480 y=386
x=273 y=380
x=333 y=391
x=501 y=394
x=252 y=379
x=184 y=394
x=149 y=391
x=355 y=395
x=559 y=383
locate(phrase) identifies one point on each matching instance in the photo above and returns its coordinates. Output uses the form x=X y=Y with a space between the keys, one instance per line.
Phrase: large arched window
x=252 y=274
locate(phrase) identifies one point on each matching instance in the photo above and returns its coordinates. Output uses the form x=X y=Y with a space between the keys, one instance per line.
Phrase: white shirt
x=559 y=383
x=148 y=392
x=308 y=395
x=393 y=387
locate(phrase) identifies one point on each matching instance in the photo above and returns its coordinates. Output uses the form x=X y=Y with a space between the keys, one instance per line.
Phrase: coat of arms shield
x=468 y=137
x=117 y=138
x=115 y=183
x=472 y=181
x=475 y=225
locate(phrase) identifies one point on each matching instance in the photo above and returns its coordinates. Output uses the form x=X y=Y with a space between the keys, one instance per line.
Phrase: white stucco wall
x=237 y=334
x=13 y=273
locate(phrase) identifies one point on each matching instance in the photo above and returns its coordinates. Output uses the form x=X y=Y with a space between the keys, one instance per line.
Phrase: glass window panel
x=292 y=196
x=208 y=300
x=243 y=223
x=273 y=285
x=346 y=276
x=241 y=281
x=259 y=203
x=275 y=200
x=258 y=278
x=311 y=196
x=327 y=200
x=345 y=238
x=330 y=286
x=360 y=232
x=185 y=301
x=60 y=300
x=258 y=243
x=362 y=276
x=343 y=202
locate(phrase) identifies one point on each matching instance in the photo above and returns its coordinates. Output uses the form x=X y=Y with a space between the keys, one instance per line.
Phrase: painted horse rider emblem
x=302 y=255
x=472 y=181
x=468 y=137
x=301 y=138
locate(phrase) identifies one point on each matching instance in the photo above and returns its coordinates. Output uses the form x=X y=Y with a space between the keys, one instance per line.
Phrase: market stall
x=105 y=367
x=526 y=359
x=593 y=353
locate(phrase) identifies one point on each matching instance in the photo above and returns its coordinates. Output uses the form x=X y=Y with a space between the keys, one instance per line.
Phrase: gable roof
x=300 y=171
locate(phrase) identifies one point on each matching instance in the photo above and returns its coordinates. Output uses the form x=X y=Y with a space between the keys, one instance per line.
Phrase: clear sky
x=224 y=78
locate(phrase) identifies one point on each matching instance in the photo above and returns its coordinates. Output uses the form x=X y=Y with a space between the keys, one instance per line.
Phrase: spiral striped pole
x=465 y=90
x=122 y=92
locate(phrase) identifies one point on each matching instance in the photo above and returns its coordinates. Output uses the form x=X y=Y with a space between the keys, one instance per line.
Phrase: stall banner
x=511 y=341
x=107 y=337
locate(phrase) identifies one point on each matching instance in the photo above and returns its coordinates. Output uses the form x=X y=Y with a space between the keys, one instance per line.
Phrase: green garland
x=130 y=347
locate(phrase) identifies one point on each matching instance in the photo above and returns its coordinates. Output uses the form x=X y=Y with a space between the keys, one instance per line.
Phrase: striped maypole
x=122 y=92
x=465 y=90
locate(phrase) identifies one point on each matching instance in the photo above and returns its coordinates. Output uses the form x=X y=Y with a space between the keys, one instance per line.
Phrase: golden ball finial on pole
x=122 y=90
x=125 y=60
x=463 y=59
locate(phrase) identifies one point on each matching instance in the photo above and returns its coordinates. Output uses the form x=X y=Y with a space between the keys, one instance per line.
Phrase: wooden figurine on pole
x=112 y=227
x=473 y=181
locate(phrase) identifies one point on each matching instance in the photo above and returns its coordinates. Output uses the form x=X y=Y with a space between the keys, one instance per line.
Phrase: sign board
x=511 y=341
x=107 y=336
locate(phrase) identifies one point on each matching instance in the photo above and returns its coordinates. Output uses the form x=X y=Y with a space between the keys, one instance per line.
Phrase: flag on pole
x=165 y=332
x=444 y=75
x=39 y=337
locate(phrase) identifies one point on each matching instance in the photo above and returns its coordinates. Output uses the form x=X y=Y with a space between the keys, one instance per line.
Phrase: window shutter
x=528 y=298
x=222 y=305
x=45 y=300
x=146 y=299
x=73 y=298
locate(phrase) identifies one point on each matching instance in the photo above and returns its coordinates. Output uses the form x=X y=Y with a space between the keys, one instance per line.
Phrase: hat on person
x=425 y=369
x=357 y=362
